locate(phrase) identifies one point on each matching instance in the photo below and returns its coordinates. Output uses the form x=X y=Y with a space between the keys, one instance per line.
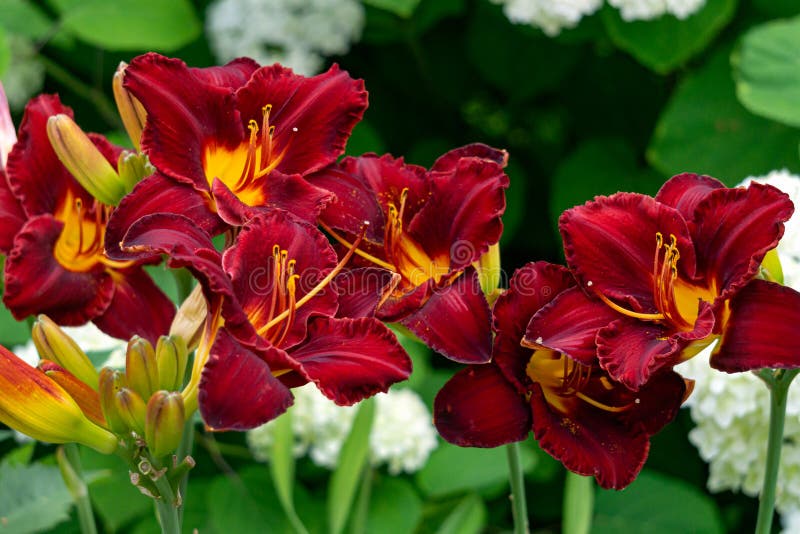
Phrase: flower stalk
x=69 y=463
x=578 y=504
x=518 y=504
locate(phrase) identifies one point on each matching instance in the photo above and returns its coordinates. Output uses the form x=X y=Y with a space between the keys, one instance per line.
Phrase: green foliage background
x=607 y=106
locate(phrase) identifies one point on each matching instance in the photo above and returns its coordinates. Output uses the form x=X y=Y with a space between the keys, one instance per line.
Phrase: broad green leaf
x=704 y=129
x=21 y=455
x=452 y=469
x=107 y=492
x=468 y=517
x=12 y=332
x=25 y=18
x=777 y=8
x=598 y=167
x=352 y=459
x=246 y=503
x=394 y=507
x=668 y=42
x=5 y=52
x=33 y=498
x=767 y=67
x=281 y=463
x=651 y=503
x=401 y=8
x=132 y=24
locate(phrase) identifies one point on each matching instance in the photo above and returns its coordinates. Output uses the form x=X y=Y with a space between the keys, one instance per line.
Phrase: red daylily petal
x=610 y=244
x=287 y=192
x=734 y=228
x=251 y=266
x=477 y=407
x=590 y=442
x=351 y=359
x=685 y=191
x=461 y=219
x=396 y=308
x=36 y=283
x=137 y=307
x=233 y=74
x=657 y=402
x=158 y=194
x=11 y=215
x=449 y=161
x=313 y=117
x=762 y=330
x=36 y=176
x=360 y=290
x=185 y=113
x=456 y=321
x=237 y=388
x=531 y=287
x=569 y=325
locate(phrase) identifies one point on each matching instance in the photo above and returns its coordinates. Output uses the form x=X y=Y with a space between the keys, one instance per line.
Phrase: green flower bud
x=55 y=345
x=141 y=369
x=111 y=382
x=164 y=423
x=171 y=357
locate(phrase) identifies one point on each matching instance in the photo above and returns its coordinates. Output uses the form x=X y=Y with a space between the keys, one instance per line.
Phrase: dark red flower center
x=245 y=168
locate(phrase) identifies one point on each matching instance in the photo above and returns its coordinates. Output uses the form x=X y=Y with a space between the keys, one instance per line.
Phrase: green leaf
x=107 y=492
x=21 y=455
x=704 y=129
x=401 y=8
x=452 y=469
x=468 y=517
x=651 y=503
x=667 y=42
x=246 y=503
x=352 y=459
x=12 y=332
x=32 y=498
x=5 y=52
x=395 y=508
x=420 y=356
x=132 y=24
x=281 y=463
x=25 y=18
x=767 y=67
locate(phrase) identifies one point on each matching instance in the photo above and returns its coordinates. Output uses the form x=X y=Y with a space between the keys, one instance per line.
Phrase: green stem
x=578 y=504
x=359 y=521
x=778 y=384
x=184 y=450
x=518 y=503
x=79 y=490
x=167 y=506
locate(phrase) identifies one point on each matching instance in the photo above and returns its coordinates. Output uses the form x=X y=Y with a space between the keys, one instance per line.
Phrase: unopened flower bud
x=35 y=405
x=132 y=409
x=771 y=268
x=489 y=271
x=84 y=160
x=130 y=109
x=55 y=345
x=86 y=397
x=132 y=168
x=111 y=382
x=171 y=357
x=141 y=369
x=164 y=423
x=190 y=318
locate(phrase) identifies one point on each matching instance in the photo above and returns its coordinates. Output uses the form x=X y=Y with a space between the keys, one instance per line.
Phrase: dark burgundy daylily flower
x=275 y=319
x=53 y=232
x=230 y=141
x=671 y=265
x=592 y=424
x=427 y=227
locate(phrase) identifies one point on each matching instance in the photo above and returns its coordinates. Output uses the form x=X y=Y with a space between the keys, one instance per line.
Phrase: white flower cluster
x=731 y=411
x=552 y=16
x=25 y=73
x=652 y=9
x=402 y=434
x=295 y=33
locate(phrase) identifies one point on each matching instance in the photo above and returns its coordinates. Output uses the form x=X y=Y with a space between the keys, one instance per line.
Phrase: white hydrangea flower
x=295 y=33
x=402 y=434
x=25 y=74
x=652 y=9
x=731 y=411
x=551 y=16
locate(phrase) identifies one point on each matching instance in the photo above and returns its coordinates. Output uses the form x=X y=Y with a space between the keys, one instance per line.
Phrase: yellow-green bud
x=141 y=369
x=111 y=382
x=164 y=423
x=84 y=160
x=133 y=167
x=172 y=357
x=130 y=109
x=190 y=318
x=55 y=345
x=131 y=409
x=771 y=268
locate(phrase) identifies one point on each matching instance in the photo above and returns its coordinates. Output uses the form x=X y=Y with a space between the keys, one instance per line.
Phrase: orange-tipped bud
x=86 y=397
x=84 y=160
x=131 y=409
x=141 y=369
x=189 y=320
x=172 y=357
x=130 y=109
x=55 y=345
x=164 y=423
x=489 y=270
x=111 y=382
x=37 y=406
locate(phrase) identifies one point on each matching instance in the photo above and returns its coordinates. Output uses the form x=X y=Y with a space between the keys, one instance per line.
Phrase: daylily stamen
x=377 y=261
x=294 y=305
x=630 y=313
